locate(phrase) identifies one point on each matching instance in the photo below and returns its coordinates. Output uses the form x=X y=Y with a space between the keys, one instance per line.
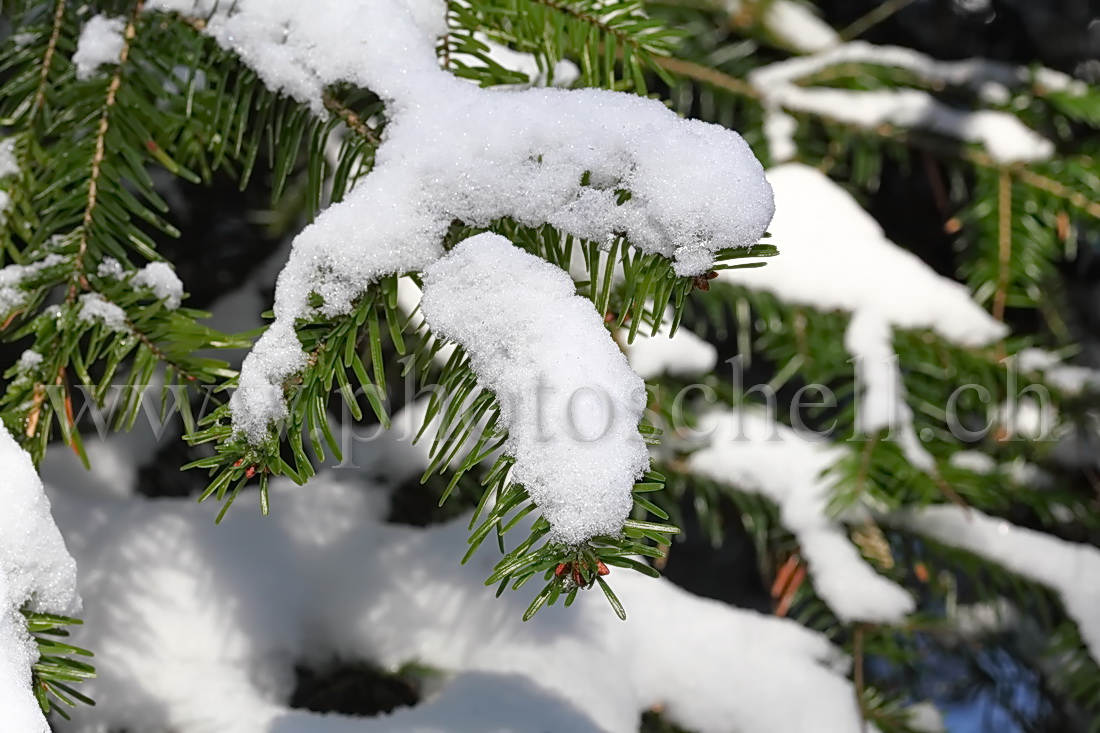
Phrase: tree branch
x=101 y=149
x=47 y=58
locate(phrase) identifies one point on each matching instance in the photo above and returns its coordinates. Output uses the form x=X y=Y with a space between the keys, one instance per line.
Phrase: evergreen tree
x=931 y=518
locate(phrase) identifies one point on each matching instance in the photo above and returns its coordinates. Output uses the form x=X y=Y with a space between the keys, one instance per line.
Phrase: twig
x=1004 y=242
x=870 y=20
x=857 y=661
x=1050 y=185
x=707 y=75
x=101 y=148
x=351 y=119
x=47 y=58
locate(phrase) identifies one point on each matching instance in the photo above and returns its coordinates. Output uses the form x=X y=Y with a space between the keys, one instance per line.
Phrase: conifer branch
x=869 y=20
x=596 y=22
x=353 y=121
x=101 y=150
x=47 y=59
x=1004 y=242
x=707 y=75
x=858 y=674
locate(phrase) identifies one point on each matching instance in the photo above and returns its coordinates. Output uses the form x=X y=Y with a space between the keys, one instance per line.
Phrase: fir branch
x=877 y=15
x=1004 y=243
x=354 y=122
x=101 y=150
x=707 y=75
x=858 y=674
x=47 y=59
x=595 y=21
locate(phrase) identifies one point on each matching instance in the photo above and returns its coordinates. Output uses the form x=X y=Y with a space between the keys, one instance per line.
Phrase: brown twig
x=354 y=122
x=879 y=14
x=1004 y=242
x=47 y=58
x=857 y=674
x=101 y=147
x=707 y=75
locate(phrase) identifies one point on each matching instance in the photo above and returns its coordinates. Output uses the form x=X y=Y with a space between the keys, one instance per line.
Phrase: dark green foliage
x=89 y=151
x=58 y=666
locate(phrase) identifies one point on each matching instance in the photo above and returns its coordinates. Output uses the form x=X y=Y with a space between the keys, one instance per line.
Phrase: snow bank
x=100 y=43
x=1069 y=569
x=567 y=396
x=755 y=454
x=35 y=570
x=1002 y=134
x=216 y=617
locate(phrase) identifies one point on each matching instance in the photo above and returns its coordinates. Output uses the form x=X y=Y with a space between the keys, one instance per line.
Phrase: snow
x=1069 y=379
x=110 y=268
x=682 y=355
x=836 y=257
x=696 y=189
x=779 y=130
x=755 y=454
x=101 y=42
x=302 y=48
x=161 y=279
x=1050 y=80
x=567 y=396
x=882 y=405
x=794 y=25
x=35 y=571
x=12 y=295
x=1002 y=135
x=565 y=71
x=28 y=360
x=972 y=460
x=216 y=618
x=94 y=308
x=9 y=164
x=455 y=151
x=1069 y=569
x=925 y=717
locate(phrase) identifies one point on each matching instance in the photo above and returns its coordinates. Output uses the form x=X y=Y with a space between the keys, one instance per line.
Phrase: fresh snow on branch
x=1002 y=134
x=94 y=308
x=753 y=453
x=1069 y=378
x=681 y=355
x=35 y=571
x=565 y=71
x=387 y=46
x=836 y=257
x=163 y=281
x=100 y=43
x=12 y=277
x=792 y=24
x=211 y=647
x=1071 y=570
x=567 y=396
x=454 y=151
